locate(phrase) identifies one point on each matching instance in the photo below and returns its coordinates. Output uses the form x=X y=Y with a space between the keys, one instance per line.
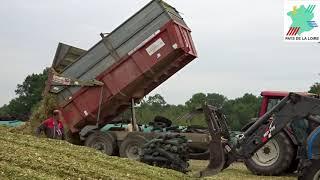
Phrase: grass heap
x=42 y=110
x=23 y=129
x=27 y=157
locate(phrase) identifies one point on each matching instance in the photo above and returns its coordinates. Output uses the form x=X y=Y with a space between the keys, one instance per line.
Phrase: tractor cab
x=272 y=98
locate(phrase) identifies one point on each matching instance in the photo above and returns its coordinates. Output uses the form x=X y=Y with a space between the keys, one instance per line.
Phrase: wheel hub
x=133 y=152
x=266 y=150
x=99 y=146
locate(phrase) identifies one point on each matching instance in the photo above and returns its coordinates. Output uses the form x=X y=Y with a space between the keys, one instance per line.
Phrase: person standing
x=52 y=127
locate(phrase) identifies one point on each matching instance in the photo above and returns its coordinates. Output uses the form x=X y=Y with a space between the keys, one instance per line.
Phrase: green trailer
x=11 y=123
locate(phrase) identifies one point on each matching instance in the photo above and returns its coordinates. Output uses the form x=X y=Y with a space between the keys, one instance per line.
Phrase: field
x=27 y=157
x=237 y=171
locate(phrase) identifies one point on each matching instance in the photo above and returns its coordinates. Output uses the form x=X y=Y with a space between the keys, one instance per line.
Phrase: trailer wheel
x=104 y=142
x=312 y=172
x=73 y=138
x=273 y=158
x=131 y=147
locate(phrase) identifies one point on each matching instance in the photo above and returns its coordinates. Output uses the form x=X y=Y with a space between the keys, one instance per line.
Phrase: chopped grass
x=42 y=110
x=22 y=129
x=27 y=157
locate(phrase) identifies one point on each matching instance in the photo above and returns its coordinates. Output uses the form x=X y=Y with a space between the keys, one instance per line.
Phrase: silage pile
x=28 y=157
x=40 y=112
x=43 y=110
x=22 y=129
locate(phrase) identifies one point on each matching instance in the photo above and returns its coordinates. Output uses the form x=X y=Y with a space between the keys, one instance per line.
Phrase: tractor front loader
x=291 y=109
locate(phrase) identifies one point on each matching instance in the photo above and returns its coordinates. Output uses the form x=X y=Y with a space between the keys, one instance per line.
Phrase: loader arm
x=291 y=108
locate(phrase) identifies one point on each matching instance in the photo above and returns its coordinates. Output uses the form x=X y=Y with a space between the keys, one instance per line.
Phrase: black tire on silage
x=167 y=151
x=160 y=119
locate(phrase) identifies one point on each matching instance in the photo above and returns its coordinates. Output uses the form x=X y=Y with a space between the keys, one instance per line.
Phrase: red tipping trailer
x=132 y=76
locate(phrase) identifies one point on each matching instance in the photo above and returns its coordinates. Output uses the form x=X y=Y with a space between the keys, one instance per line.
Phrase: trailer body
x=131 y=61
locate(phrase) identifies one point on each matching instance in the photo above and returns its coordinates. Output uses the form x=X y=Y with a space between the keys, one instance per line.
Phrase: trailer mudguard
x=313 y=144
x=87 y=130
x=287 y=131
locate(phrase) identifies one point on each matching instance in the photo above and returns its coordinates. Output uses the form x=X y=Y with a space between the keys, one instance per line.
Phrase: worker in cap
x=52 y=127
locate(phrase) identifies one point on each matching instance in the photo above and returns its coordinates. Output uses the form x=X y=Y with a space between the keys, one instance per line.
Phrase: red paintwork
x=274 y=93
x=50 y=123
x=133 y=76
x=267 y=95
x=282 y=93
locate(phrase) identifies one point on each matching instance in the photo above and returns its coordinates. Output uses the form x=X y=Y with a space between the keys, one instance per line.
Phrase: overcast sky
x=239 y=44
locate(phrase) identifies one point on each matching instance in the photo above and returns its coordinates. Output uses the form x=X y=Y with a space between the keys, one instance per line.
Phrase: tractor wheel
x=294 y=166
x=131 y=147
x=104 y=142
x=273 y=158
x=312 y=172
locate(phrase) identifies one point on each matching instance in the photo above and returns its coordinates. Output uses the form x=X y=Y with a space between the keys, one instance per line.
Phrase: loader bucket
x=216 y=161
x=218 y=130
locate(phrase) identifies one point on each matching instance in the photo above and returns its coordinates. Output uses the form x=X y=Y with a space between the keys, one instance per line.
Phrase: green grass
x=27 y=157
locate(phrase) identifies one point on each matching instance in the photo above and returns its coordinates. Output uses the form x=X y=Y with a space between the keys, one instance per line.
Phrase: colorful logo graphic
x=300 y=21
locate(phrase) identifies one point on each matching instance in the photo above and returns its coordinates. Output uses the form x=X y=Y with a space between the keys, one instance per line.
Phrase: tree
x=29 y=94
x=241 y=110
x=4 y=109
x=156 y=100
x=315 y=88
x=196 y=100
x=151 y=107
x=215 y=99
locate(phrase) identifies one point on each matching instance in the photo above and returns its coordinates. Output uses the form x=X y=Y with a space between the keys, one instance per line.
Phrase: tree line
x=29 y=93
x=238 y=111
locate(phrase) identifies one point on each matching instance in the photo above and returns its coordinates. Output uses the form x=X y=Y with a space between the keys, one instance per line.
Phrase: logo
x=301 y=19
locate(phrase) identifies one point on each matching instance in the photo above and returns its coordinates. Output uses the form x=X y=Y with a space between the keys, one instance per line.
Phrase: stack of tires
x=167 y=151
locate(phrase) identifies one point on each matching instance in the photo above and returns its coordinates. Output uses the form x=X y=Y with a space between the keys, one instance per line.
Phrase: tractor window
x=272 y=102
